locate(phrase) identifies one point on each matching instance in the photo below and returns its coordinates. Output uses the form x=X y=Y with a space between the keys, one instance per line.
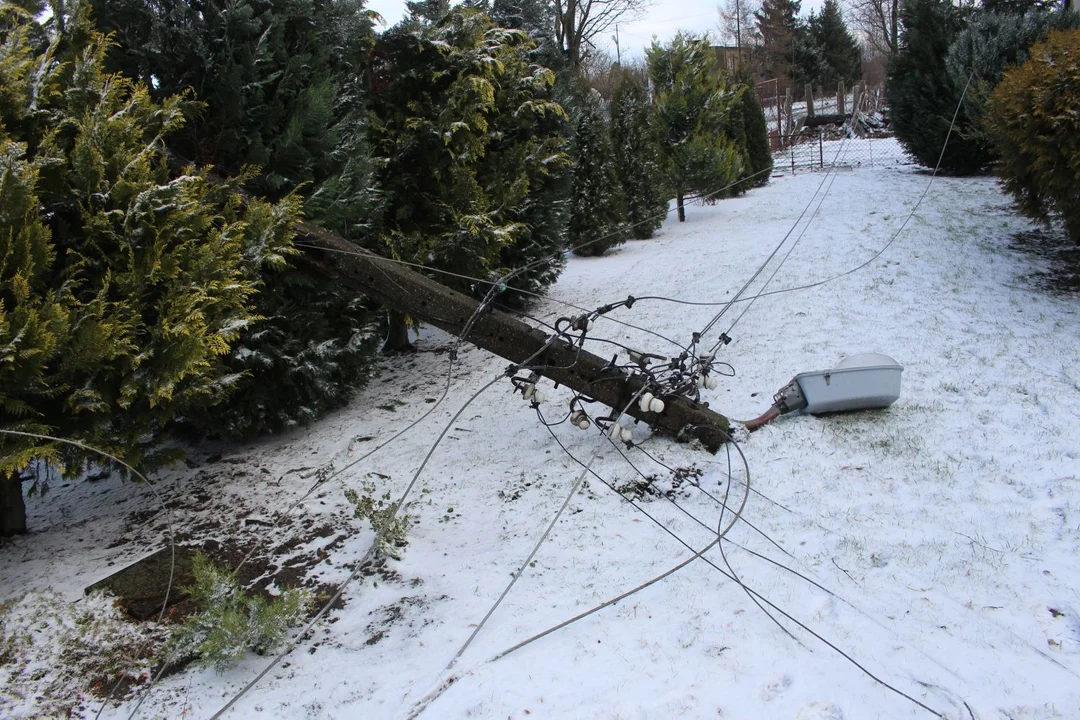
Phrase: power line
x=168 y=522
x=750 y=590
x=522 y=568
x=364 y=562
x=368 y=556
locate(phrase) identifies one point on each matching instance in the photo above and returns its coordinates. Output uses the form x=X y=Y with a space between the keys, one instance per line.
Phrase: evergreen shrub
x=923 y=97
x=1035 y=127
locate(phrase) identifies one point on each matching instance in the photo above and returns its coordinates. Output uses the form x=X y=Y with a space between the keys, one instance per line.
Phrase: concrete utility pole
x=506 y=336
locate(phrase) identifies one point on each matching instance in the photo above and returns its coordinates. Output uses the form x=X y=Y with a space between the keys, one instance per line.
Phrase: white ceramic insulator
x=539 y=397
x=530 y=390
x=589 y=325
x=644 y=402
x=701 y=381
x=712 y=383
x=583 y=423
x=657 y=405
x=627 y=434
x=615 y=431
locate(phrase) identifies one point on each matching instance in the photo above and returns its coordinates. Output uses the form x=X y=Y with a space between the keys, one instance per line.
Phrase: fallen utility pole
x=504 y=335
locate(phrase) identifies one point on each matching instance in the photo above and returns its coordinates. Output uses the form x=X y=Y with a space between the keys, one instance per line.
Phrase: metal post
x=821 y=148
x=792 y=146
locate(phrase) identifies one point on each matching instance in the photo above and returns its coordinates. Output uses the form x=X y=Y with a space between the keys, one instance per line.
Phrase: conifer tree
x=1034 y=123
x=923 y=97
x=781 y=32
x=122 y=289
x=840 y=54
x=751 y=132
x=696 y=112
x=468 y=141
x=638 y=162
x=281 y=82
x=598 y=213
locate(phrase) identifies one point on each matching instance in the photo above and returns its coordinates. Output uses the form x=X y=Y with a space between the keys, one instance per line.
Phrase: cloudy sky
x=662 y=19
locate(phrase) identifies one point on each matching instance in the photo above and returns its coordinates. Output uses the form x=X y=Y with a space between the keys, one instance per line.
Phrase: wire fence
x=818 y=150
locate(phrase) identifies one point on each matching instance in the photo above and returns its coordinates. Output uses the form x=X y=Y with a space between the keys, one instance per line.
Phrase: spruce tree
x=923 y=96
x=840 y=54
x=638 y=162
x=122 y=289
x=781 y=33
x=697 y=119
x=598 y=211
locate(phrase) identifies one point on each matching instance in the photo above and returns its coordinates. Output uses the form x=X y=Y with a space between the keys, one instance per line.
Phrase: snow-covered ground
x=937 y=543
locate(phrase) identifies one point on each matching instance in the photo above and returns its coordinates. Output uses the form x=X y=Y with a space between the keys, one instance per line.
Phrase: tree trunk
x=397 y=334
x=12 y=507
x=679 y=202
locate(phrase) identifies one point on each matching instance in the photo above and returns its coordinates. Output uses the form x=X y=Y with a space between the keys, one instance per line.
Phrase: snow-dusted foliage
x=598 y=211
x=55 y=655
x=313 y=346
x=696 y=110
x=229 y=624
x=121 y=288
x=635 y=140
x=281 y=84
x=470 y=150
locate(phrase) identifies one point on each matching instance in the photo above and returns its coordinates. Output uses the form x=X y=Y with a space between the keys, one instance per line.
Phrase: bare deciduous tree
x=579 y=22
x=879 y=20
x=738 y=26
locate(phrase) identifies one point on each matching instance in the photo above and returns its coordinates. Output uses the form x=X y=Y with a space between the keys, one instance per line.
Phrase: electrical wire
x=521 y=570
x=871 y=259
x=761 y=597
x=783 y=260
x=368 y=556
x=779 y=245
x=168 y=522
x=720 y=534
x=364 y=562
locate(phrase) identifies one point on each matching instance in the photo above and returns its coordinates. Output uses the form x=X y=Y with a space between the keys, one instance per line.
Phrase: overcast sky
x=662 y=19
